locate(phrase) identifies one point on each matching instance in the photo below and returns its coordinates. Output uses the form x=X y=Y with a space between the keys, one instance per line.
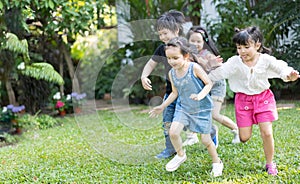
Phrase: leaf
x=43 y=71
x=14 y=44
x=51 y=4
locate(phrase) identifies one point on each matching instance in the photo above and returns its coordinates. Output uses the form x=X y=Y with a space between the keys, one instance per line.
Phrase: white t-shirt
x=251 y=80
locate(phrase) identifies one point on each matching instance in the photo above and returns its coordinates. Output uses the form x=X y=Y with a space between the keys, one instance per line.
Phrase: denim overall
x=194 y=114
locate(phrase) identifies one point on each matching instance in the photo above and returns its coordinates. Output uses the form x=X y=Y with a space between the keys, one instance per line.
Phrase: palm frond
x=15 y=45
x=43 y=71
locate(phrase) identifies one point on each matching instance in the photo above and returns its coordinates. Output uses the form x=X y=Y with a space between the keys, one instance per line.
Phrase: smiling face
x=249 y=51
x=165 y=35
x=197 y=40
x=175 y=58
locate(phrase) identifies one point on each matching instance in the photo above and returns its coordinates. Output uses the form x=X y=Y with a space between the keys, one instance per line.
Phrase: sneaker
x=191 y=138
x=215 y=138
x=173 y=164
x=217 y=169
x=236 y=137
x=166 y=153
x=272 y=169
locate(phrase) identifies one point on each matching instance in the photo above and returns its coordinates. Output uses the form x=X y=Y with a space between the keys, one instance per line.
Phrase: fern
x=38 y=71
x=43 y=71
x=15 y=45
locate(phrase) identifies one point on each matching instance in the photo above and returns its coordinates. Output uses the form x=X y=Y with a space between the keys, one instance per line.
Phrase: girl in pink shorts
x=248 y=74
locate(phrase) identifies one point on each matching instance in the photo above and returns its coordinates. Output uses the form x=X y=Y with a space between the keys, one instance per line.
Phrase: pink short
x=254 y=109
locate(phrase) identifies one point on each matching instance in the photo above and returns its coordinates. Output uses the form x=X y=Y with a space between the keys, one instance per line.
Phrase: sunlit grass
x=100 y=148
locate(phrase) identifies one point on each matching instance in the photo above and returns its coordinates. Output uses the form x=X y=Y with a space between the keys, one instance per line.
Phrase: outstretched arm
x=173 y=96
x=149 y=67
x=200 y=73
x=294 y=75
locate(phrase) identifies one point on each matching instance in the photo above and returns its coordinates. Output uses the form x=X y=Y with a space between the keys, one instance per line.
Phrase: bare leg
x=268 y=140
x=211 y=148
x=245 y=133
x=224 y=120
x=175 y=137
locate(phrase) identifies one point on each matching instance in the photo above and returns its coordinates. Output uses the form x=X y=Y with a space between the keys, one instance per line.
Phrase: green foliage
x=140 y=10
x=8 y=139
x=13 y=44
x=46 y=25
x=45 y=121
x=42 y=121
x=43 y=71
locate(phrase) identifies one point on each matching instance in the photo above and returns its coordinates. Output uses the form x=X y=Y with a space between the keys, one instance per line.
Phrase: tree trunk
x=10 y=92
x=196 y=4
x=61 y=72
x=66 y=54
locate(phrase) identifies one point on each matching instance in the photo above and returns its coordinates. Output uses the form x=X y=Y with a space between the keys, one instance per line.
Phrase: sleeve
x=159 y=54
x=278 y=68
x=224 y=71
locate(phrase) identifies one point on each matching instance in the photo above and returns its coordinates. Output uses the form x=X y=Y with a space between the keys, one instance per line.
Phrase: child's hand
x=195 y=97
x=294 y=75
x=146 y=83
x=219 y=59
x=156 y=111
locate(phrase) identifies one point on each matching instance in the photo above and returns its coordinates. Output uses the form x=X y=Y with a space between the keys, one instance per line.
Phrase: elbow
x=210 y=85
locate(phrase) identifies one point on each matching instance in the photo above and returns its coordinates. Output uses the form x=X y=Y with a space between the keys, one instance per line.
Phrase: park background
x=71 y=47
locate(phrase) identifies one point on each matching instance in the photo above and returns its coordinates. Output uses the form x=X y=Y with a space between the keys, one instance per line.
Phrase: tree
x=50 y=27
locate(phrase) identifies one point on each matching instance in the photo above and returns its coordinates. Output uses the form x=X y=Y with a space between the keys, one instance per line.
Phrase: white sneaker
x=191 y=138
x=173 y=164
x=236 y=138
x=217 y=169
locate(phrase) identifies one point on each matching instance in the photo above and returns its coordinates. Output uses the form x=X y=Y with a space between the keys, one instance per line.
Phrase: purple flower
x=74 y=94
x=80 y=96
x=22 y=107
x=15 y=109
x=10 y=106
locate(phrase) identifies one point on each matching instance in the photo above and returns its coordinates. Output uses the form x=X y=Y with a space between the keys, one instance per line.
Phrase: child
x=209 y=59
x=191 y=84
x=168 y=25
x=248 y=75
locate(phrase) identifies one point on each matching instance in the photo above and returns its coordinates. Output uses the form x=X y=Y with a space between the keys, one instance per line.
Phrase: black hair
x=244 y=36
x=208 y=43
x=171 y=20
x=185 y=47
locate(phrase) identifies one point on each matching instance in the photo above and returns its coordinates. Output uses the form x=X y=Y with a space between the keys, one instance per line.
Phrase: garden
x=73 y=110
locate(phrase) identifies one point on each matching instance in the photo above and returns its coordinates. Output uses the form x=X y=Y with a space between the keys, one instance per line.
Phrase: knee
x=206 y=140
x=266 y=134
x=217 y=117
x=244 y=139
x=173 y=134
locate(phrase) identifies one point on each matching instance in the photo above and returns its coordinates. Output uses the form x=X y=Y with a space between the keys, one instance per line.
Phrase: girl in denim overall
x=191 y=85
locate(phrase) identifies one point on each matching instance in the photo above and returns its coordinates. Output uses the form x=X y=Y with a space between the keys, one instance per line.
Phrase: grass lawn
x=119 y=147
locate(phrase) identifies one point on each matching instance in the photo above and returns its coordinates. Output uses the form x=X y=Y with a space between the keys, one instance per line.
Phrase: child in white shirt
x=248 y=75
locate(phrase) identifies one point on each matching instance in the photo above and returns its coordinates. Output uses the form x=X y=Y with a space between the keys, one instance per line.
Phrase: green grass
x=119 y=147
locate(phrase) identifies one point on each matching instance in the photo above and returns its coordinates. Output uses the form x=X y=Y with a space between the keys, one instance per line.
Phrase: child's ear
x=177 y=32
x=257 y=45
x=186 y=56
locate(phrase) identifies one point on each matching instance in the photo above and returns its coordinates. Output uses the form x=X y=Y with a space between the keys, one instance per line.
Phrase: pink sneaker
x=271 y=169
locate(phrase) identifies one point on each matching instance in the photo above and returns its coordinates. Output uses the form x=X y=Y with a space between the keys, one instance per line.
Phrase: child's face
x=175 y=57
x=248 y=52
x=165 y=35
x=197 y=40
